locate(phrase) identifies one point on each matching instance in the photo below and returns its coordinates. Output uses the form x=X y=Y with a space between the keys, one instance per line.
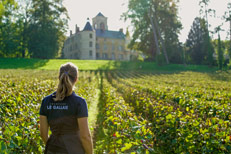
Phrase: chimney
x=70 y=32
x=121 y=30
x=76 y=29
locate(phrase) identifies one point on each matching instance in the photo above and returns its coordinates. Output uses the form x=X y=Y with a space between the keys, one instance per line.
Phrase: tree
x=155 y=16
x=47 y=27
x=143 y=38
x=204 y=10
x=220 y=53
x=32 y=28
x=208 y=48
x=219 y=49
x=155 y=27
x=227 y=17
x=8 y=29
x=207 y=45
x=224 y=46
x=23 y=19
x=195 y=43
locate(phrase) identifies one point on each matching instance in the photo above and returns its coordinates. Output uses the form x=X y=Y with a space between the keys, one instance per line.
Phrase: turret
x=88 y=38
x=100 y=22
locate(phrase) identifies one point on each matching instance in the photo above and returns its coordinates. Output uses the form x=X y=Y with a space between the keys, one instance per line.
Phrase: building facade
x=97 y=42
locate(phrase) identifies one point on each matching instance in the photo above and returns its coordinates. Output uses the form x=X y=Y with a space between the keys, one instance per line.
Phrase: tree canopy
x=195 y=42
x=165 y=15
x=33 y=28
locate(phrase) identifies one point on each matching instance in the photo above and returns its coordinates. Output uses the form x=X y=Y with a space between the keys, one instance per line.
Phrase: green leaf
x=127 y=147
x=119 y=141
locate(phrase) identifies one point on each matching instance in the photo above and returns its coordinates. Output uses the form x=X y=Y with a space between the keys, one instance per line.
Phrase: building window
x=120 y=48
x=90 y=53
x=105 y=47
x=90 y=35
x=113 y=56
x=90 y=44
x=97 y=46
x=105 y=56
x=112 y=47
x=97 y=55
x=76 y=55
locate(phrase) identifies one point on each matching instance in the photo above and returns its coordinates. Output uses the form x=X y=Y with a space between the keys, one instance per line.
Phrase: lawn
x=54 y=64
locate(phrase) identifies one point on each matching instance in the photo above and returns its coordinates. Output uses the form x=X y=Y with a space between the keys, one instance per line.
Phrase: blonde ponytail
x=67 y=78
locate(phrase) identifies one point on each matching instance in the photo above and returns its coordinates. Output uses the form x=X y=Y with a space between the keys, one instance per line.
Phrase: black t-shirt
x=72 y=105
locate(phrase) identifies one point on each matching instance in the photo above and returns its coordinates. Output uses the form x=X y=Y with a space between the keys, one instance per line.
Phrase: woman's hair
x=68 y=74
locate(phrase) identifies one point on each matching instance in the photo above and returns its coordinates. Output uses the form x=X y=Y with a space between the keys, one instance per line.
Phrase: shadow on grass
x=153 y=67
x=220 y=75
x=109 y=66
x=21 y=63
x=126 y=65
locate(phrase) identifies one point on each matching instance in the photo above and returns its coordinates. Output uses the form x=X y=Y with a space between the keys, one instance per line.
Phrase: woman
x=66 y=115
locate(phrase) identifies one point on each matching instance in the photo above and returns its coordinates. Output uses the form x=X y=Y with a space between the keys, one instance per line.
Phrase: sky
x=80 y=10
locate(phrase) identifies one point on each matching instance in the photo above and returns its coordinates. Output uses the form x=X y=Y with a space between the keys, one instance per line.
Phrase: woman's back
x=66 y=114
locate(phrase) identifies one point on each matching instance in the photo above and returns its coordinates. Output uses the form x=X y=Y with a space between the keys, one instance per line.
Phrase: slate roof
x=100 y=14
x=109 y=34
x=88 y=27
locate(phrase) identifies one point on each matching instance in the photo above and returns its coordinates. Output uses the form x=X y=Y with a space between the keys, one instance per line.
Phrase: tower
x=100 y=22
x=88 y=38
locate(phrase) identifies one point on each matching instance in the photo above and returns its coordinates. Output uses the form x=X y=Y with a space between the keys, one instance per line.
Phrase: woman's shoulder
x=49 y=97
x=77 y=98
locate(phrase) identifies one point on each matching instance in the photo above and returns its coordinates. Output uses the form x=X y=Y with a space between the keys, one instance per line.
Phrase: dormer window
x=102 y=26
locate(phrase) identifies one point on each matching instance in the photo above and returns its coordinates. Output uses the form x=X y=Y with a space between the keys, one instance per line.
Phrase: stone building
x=97 y=42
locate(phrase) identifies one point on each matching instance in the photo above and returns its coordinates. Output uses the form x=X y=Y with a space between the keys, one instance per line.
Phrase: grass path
x=93 y=112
